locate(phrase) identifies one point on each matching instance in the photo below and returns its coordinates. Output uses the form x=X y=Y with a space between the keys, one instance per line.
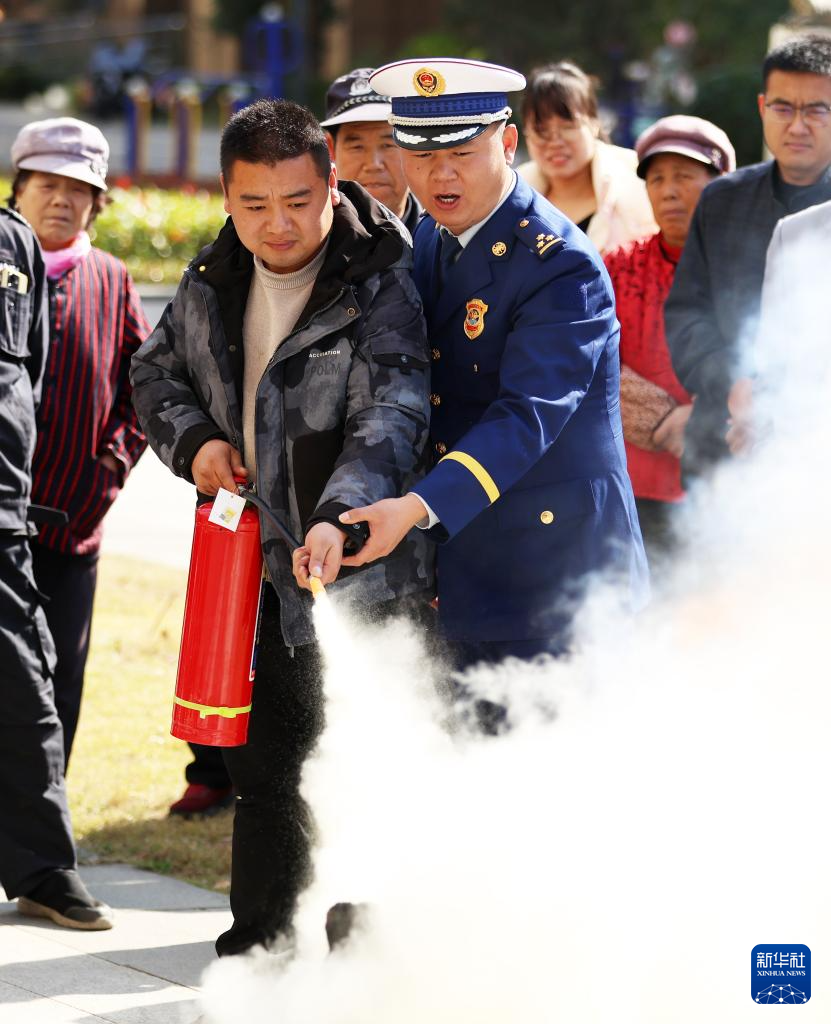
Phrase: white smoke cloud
x=657 y=810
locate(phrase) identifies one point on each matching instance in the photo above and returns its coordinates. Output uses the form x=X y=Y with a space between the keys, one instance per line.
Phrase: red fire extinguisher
x=217 y=658
x=218 y=654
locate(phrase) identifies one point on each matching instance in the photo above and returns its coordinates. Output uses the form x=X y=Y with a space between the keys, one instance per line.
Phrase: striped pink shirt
x=96 y=324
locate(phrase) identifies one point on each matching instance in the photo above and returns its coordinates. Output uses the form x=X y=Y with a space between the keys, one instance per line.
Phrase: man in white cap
x=530 y=494
x=362 y=145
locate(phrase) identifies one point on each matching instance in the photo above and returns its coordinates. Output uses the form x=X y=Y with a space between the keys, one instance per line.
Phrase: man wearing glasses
x=713 y=309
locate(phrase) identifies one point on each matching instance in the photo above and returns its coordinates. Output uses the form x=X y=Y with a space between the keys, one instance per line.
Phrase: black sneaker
x=63 y=898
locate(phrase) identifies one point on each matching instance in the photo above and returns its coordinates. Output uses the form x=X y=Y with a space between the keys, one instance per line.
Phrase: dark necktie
x=450 y=249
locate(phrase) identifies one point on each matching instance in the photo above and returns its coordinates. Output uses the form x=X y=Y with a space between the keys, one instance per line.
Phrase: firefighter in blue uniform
x=530 y=494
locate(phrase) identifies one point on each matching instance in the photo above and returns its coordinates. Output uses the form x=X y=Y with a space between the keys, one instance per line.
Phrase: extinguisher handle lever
x=278 y=525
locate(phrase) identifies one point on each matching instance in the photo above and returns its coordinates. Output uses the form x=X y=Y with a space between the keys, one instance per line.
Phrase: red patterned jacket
x=642 y=273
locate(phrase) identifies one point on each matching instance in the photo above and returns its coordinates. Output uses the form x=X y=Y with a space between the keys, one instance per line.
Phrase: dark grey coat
x=712 y=312
x=342 y=408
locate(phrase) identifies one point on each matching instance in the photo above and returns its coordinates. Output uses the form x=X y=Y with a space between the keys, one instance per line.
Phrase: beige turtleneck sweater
x=275 y=301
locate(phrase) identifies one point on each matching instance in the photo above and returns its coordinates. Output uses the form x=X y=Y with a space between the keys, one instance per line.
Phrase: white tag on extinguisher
x=227 y=510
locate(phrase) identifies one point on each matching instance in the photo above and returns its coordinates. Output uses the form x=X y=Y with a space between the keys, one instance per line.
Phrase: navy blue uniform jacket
x=531 y=485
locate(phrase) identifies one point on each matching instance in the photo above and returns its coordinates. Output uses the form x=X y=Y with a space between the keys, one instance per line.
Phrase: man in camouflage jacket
x=343 y=413
x=340 y=419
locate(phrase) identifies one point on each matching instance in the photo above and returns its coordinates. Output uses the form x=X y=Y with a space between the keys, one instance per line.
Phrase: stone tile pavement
x=146 y=970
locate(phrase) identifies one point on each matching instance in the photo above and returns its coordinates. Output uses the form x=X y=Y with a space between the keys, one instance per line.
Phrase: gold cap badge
x=475 y=318
x=428 y=82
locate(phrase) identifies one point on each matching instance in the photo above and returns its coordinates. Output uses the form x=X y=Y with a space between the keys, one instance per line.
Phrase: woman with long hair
x=574 y=165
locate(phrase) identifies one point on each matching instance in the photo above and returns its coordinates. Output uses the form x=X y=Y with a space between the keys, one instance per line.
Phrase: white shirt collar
x=466 y=236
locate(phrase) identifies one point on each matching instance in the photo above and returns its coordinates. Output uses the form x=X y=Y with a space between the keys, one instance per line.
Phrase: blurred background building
x=651 y=57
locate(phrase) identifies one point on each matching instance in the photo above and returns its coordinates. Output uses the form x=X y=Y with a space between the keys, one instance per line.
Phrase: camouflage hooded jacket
x=342 y=408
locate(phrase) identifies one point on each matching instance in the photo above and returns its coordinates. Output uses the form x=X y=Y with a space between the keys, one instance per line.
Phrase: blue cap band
x=466 y=103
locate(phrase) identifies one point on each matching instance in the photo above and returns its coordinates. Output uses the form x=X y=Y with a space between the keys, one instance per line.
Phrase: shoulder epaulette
x=538 y=236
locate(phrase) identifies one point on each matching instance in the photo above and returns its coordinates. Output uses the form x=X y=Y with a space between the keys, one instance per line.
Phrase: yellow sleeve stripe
x=478 y=470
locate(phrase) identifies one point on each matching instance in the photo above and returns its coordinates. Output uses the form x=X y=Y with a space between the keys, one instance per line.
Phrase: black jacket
x=24 y=340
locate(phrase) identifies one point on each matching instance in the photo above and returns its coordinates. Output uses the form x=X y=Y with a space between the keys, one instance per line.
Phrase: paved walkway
x=152 y=519
x=146 y=970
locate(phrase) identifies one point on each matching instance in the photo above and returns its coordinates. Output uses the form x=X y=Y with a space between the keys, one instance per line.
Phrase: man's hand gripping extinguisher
x=218 y=653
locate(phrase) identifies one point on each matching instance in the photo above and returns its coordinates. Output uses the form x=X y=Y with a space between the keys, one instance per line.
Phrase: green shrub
x=155 y=231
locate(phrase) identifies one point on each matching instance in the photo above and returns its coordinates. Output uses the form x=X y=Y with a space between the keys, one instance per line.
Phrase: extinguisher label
x=227 y=509
x=252 y=670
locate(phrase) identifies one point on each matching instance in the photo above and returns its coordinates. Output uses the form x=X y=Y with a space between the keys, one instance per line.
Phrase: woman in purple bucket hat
x=88 y=435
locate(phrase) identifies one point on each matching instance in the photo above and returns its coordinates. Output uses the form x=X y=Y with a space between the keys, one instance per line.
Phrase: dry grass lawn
x=126 y=767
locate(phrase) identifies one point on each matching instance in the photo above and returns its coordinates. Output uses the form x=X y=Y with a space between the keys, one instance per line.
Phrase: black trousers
x=459 y=655
x=273 y=828
x=207 y=767
x=35 y=831
x=68 y=581
x=273 y=825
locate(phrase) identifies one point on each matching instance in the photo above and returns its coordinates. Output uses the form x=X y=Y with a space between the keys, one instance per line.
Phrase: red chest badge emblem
x=475 y=318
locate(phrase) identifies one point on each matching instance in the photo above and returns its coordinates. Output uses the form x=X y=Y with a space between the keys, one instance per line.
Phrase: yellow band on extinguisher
x=205 y=709
x=478 y=470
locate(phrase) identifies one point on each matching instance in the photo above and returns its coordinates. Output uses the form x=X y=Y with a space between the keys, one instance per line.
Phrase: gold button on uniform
x=546 y=517
x=436 y=354
x=202 y=268
x=435 y=399
x=441 y=447
x=523 y=223
x=351 y=311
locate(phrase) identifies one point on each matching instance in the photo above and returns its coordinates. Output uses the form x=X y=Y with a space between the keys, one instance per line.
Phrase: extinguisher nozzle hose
x=316 y=587
x=278 y=525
